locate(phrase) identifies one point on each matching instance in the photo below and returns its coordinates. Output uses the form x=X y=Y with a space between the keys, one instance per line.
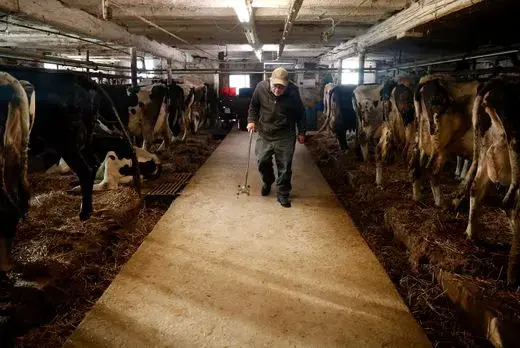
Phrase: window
x=352 y=77
x=349 y=77
x=50 y=66
x=239 y=81
x=148 y=65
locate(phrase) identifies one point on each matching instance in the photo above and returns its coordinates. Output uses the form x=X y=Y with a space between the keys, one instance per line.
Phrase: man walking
x=276 y=110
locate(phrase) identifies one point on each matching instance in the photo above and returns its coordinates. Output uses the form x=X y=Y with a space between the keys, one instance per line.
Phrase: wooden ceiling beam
x=54 y=13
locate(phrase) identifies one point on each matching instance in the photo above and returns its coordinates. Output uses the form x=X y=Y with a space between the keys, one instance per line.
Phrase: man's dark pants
x=283 y=151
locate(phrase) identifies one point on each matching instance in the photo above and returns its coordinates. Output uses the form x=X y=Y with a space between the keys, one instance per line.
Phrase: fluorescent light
x=242 y=11
x=258 y=54
x=250 y=37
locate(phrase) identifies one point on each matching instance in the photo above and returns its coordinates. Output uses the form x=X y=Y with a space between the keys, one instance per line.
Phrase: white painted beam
x=291 y=17
x=54 y=13
x=244 y=10
x=417 y=14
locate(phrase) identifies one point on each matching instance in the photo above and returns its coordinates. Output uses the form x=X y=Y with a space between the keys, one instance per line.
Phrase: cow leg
x=186 y=120
x=379 y=163
x=435 y=180
x=511 y=204
x=6 y=242
x=415 y=170
x=79 y=165
x=513 y=271
x=458 y=167
x=477 y=192
x=465 y=169
x=363 y=144
x=341 y=135
x=465 y=185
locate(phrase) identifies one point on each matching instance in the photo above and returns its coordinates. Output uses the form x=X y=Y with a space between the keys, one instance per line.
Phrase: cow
x=176 y=108
x=117 y=162
x=68 y=105
x=399 y=127
x=148 y=119
x=342 y=116
x=369 y=113
x=122 y=101
x=496 y=157
x=443 y=108
x=17 y=117
x=195 y=116
x=212 y=104
x=326 y=107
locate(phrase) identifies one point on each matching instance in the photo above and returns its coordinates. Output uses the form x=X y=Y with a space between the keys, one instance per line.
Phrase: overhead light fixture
x=258 y=54
x=242 y=11
x=250 y=36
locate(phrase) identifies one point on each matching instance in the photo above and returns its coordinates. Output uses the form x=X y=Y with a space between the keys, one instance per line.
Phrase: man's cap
x=280 y=76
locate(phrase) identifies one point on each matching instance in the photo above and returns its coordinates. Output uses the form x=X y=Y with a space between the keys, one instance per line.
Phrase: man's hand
x=301 y=139
x=251 y=127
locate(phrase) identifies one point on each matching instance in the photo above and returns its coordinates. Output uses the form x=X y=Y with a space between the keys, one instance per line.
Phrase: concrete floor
x=218 y=271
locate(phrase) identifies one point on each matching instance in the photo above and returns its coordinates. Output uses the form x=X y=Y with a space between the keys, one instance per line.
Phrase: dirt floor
x=62 y=265
x=431 y=239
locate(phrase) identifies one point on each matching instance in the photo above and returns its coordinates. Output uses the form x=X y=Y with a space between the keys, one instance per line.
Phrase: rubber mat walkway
x=218 y=271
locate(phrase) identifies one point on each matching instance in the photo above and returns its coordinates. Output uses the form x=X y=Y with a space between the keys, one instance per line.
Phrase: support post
x=169 y=79
x=361 y=79
x=88 y=60
x=133 y=66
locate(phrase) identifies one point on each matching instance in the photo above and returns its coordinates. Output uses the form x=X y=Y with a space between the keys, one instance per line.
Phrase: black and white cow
x=341 y=114
x=326 y=107
x=369 y=111
x=157 y=113
x=443 y=108
x=16 y=119
x=496 y=158
x=116 y=167
x=68 y=106
x=399 y=126
x=196 y=111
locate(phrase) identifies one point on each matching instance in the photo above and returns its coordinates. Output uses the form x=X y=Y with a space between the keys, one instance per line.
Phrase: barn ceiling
x=207 y=27
x=203 y=28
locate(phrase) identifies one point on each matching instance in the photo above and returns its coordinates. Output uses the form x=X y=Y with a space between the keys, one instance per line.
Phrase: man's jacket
x=277 y=117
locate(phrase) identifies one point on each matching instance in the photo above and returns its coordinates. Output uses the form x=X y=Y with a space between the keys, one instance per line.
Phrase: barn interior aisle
x=219 y=271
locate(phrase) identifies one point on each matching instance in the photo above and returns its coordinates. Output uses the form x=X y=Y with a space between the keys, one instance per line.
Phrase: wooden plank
x=417 y=14
x=56 y=14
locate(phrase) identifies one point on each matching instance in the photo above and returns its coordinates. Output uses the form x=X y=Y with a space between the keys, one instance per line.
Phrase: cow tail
x=12 y=137
x=418 y=112
x=416 y=160
x=135 y=164
x=466 y=183
x=327 y=113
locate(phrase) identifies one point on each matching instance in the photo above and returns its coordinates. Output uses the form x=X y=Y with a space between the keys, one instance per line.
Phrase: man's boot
x=266 y=189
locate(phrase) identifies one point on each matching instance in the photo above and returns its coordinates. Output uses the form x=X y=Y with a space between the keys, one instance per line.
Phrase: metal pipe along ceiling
x=47 y=31
x=451 y=60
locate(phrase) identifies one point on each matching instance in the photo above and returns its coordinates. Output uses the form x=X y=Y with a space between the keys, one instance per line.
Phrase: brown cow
x=443 y=108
